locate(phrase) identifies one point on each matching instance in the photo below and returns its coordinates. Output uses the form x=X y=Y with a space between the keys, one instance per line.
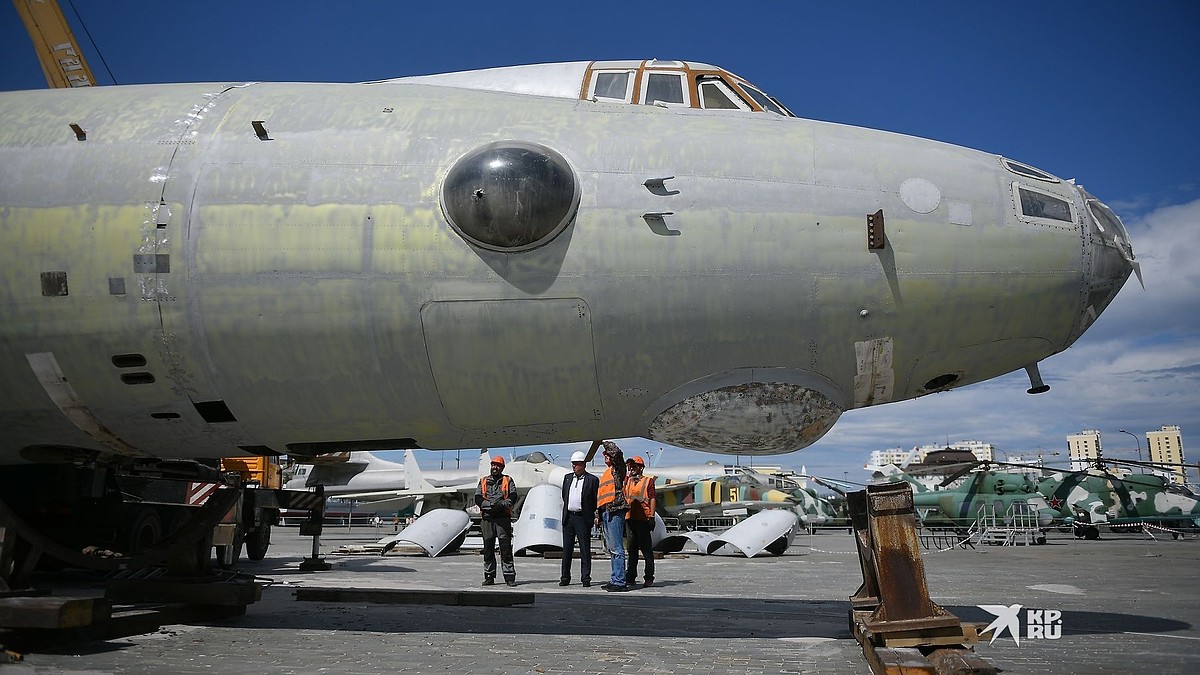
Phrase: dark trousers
x=639 y=542
x=502 y=529
x=577 y=526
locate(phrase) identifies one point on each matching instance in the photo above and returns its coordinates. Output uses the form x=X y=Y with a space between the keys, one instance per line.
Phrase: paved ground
x=1128 y=604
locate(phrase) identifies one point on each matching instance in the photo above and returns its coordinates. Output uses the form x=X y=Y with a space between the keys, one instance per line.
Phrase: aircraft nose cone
x=1108 y=258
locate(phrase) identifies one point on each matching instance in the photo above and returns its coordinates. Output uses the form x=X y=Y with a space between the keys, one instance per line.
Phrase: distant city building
x=984 y=452
x=1084 y=448
x=1166 y=446
x=897 y=456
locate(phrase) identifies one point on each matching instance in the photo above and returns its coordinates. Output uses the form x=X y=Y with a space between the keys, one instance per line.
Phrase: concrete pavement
x=1127 y=603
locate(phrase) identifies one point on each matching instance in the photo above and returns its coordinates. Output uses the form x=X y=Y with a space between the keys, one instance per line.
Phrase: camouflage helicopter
x=742 y=492
x=1099 y=497
x=1009 y=495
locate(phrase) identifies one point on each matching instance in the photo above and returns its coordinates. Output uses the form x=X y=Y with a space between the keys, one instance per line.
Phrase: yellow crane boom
x=58 y=51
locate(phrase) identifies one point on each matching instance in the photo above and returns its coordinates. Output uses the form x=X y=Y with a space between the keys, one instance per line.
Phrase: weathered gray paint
x=308 y=274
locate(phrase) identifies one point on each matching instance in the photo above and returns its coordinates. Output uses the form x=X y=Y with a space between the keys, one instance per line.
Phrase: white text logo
x=1040 y=624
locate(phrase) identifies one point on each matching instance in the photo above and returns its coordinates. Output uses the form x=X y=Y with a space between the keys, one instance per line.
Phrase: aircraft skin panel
x=285 y=276
x=92 y=212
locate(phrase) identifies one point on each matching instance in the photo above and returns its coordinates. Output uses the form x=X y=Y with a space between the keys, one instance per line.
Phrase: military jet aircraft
x=521 y=255
x=739 y=494
x=363 y=471
x=383 y=489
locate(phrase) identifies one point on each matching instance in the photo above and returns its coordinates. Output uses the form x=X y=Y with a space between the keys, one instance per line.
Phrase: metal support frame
x=900 y=629
x=312 y=528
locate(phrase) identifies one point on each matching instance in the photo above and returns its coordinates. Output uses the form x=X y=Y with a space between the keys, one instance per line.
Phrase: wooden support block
x=49 y=612
x=213 y=593
x=960 y=662
x=410 y=597
x=901 y=661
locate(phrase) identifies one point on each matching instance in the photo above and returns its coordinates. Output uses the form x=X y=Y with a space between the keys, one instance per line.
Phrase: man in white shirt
x=579 y=509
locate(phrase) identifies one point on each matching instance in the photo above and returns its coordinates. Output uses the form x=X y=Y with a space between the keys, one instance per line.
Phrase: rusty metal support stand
x=900 y=629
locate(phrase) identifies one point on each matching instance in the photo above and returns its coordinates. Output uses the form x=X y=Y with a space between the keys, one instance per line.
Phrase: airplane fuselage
x=204 y=270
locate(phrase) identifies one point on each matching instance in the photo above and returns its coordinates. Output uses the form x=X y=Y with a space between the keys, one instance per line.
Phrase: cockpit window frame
x=684 y=88
x=722 y=86
x=691 y=74
x=1026 y=171
x=1018 y=186
x=750 y=90
x=1101 y=212
x=631 y=74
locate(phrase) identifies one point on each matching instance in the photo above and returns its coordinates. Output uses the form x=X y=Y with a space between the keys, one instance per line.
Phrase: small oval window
x=510 y=196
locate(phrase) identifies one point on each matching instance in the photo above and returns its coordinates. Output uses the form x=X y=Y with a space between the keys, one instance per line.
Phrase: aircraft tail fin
x=485 y=463
x=896 y=474
x=413 y=479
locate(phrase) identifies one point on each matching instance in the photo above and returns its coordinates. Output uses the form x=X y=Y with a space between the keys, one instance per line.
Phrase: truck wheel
x=258 y=541
x=144 y=529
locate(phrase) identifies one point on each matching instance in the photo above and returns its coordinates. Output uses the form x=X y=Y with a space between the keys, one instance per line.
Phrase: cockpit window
x=716 y=95
x=768 y=103
x=613 y=86
x=671 y=84
x=665 y=88
x=1037 y=204
x=1027 y=171
x=1106 y=220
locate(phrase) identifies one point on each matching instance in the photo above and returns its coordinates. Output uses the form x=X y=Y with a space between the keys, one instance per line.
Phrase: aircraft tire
x=258 y=541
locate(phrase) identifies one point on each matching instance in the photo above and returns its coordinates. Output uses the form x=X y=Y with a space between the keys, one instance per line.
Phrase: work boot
x=511 y=582
x=648 y=583
x=488 y=581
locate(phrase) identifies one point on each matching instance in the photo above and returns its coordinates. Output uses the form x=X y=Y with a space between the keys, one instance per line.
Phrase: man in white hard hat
x=579 y=508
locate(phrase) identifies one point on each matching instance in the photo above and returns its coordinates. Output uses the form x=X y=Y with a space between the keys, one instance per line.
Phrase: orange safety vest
x=505 y=486
x=639 y=489
x=607 y=494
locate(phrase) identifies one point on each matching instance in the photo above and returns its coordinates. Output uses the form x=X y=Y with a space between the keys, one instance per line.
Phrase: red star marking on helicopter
x=1055 y=503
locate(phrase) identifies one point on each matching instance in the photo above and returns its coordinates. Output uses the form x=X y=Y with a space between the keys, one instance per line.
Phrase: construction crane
x=58 y=51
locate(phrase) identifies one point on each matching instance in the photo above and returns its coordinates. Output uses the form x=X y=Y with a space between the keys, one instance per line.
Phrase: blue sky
x=1104 y=92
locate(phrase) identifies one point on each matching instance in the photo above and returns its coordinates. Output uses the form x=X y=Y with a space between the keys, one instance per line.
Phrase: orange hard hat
x=498 y=460
x=636 y=460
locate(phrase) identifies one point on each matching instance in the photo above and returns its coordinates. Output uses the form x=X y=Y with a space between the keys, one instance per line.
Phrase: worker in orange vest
x=610 y=501
x=494 y=497
x=639 y=491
